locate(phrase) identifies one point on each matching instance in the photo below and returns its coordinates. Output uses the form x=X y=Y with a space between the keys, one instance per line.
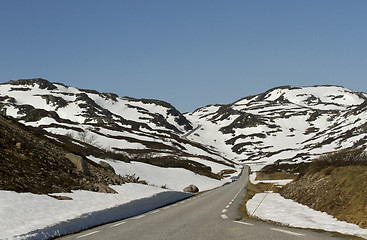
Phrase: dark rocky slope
x=31 y=162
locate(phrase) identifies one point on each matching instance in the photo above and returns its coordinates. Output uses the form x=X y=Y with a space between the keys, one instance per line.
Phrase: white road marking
x=156 y=211
x=117 y=224
x=224 y=210
x=227 y=206
x=288 y=232
x=85 y=235
x=141 y=216
x=166 y=207
x=223 y=216
x=244 y=223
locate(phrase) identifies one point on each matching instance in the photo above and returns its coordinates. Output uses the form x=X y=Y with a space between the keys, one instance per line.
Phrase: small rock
x=61 y=197
x=103 y=188
x=191 y=189
x=107 y=166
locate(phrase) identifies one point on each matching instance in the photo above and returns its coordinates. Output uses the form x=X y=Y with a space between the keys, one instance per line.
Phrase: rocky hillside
x=285 y=124
x=31 y=162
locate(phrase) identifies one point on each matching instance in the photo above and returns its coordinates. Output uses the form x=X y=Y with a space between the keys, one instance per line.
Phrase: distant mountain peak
x=43 y=83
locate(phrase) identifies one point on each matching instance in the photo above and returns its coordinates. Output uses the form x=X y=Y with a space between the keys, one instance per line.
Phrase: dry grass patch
x=253 y=189
x=338 y=191
x=274 y=176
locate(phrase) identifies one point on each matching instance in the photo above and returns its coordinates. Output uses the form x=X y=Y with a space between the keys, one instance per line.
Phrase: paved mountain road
x=208 y=216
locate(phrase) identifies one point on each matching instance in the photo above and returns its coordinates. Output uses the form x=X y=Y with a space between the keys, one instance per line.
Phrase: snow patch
x=278 y=209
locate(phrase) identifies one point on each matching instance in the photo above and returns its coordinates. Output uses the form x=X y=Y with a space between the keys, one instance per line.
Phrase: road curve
x=208 y=216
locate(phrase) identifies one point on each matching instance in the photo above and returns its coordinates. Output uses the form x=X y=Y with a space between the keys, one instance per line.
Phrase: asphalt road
x=209 y=216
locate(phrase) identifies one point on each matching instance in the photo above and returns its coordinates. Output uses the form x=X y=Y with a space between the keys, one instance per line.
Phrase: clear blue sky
x=189 y=52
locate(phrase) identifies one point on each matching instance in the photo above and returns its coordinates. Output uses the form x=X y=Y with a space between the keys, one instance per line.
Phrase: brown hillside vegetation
x=335 y=184
x=31 y=162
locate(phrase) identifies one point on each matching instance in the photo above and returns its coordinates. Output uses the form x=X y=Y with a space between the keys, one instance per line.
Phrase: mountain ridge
x=304 y=114
x=283 y=124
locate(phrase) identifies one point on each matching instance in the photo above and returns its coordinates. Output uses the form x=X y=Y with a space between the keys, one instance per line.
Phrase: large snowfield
x=33 y=216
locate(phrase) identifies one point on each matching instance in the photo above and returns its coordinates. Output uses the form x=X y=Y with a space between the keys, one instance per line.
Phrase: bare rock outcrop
x=79 y=163
x=107 y=166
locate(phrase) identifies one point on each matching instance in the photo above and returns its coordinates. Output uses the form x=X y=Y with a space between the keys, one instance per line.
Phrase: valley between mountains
x=83 y=151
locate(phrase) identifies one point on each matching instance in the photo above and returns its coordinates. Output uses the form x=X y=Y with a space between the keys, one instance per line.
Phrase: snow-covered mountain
x=148 y=131
x=284 y=124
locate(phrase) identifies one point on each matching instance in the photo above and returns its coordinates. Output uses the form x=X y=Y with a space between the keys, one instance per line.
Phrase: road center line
x=85 y=235
x=288 y=232
x=227 y=206
x=117 y=224
x=244 y=223
x=224 y=210
x=223 y=216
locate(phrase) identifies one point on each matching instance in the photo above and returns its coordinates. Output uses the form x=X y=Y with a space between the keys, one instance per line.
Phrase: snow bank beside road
x=278 y=209
x=33 y=216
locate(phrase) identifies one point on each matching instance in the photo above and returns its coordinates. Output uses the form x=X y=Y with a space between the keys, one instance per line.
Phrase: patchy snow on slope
x=278 y=209
x=198 y=151
x=307 y=96
x=209 y=134
x=216 y=167
x=291 y=124
x=40 y=216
